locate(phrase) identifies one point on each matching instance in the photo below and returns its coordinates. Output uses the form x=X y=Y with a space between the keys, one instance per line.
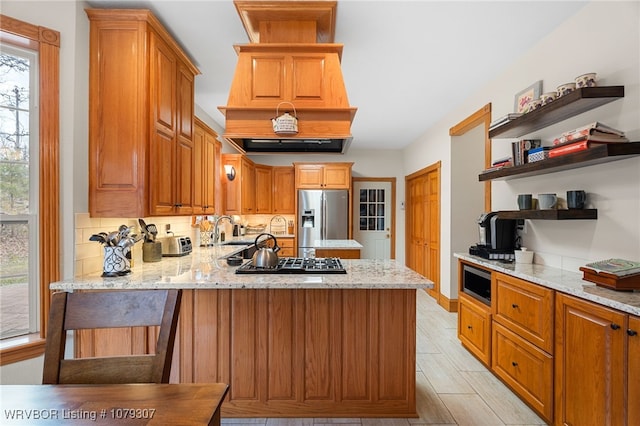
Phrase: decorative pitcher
x=285 y=124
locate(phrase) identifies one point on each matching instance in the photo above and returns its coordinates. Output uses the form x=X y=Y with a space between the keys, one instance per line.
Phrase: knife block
x=152 y=251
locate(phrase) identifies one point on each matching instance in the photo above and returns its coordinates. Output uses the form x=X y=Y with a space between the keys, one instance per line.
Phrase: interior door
x=373 y=225
x=423 y=225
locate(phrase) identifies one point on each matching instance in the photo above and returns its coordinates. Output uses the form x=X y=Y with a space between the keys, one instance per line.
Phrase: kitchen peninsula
x=301 y=345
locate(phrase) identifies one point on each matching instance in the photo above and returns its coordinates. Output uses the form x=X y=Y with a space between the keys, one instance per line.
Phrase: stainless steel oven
x=476 y=283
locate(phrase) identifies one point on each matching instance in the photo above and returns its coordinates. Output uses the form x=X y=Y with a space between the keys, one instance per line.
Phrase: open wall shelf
x=594 y=155
x=574 y=103
x=551 y=214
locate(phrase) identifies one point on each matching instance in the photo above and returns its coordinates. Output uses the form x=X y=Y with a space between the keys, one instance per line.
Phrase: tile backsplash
x=89 y=254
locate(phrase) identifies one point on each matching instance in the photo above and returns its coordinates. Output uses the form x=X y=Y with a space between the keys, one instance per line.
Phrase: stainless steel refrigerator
x=323 y=214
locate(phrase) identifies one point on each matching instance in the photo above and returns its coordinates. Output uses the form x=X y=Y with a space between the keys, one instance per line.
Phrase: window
x=31 y=216
x=19 y=292
x=372 y=205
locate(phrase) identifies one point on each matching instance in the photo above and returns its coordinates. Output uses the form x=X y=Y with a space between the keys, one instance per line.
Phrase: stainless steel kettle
x=265 y=257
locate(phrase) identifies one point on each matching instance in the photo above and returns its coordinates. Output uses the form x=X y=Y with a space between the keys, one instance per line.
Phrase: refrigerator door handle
x=323 y=219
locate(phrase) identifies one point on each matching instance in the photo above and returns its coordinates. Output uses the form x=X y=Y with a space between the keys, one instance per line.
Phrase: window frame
x=31 y=217
x=46 y=43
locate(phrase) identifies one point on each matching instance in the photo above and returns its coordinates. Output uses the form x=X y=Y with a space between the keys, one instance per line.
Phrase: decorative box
x=538 y=154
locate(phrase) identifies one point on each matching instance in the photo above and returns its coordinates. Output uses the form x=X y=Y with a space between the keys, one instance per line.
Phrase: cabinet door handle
x=615 y=326
x=469 y=327
x=631 y=332
x=514 y=306
x=178 y=205
x=515 y=364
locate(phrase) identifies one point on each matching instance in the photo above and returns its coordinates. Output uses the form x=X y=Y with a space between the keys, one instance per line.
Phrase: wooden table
x=131 y=404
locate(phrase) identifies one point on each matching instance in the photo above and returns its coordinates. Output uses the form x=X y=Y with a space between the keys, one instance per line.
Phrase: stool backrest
x=111 y=309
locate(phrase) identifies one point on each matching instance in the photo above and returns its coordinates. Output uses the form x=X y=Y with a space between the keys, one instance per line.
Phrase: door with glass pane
x=373 y=224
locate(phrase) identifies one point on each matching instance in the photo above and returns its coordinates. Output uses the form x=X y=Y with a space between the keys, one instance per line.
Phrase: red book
x=572 y=147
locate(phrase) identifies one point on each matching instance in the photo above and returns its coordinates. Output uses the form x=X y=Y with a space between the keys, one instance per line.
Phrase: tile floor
x=452 y=387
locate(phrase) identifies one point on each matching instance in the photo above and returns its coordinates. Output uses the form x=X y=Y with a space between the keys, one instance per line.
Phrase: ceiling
x=406 y=64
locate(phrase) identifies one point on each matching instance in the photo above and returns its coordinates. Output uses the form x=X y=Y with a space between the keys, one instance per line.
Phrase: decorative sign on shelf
x=527 y=95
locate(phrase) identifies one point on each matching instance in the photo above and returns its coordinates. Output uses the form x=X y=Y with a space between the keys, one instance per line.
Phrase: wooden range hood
x=291 y=57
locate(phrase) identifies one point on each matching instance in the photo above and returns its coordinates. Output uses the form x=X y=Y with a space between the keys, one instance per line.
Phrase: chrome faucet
x=216 y=233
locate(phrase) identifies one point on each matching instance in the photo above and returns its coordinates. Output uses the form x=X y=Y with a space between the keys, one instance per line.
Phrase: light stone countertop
x=564 y=281
x=337 y=244
x=205 y=268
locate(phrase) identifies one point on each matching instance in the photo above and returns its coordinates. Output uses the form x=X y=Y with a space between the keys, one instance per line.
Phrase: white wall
x=603 y=37
x=467 y=196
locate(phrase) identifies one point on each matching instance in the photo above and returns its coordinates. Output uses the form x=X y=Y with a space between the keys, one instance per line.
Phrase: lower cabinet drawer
x=527 y=369
x=341 y=253
x=525 y=308
x=286 y=247
x=474 y=327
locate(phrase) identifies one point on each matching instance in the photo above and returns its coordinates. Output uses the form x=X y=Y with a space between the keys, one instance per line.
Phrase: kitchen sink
x=246 y=253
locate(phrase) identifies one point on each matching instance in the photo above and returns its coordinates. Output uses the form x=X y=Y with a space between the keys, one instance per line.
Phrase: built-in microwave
x=476 y=283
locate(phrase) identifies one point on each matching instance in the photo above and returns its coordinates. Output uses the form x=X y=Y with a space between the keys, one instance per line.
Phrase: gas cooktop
x=297 y=265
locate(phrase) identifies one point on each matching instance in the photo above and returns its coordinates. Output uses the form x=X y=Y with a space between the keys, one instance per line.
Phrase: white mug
x=547 y=201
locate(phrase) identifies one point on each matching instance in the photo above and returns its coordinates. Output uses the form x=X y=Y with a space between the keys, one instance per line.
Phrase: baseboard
x=449 y=305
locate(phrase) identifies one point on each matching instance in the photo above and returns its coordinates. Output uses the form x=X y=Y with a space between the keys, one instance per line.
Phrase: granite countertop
x=563 y=281
x=337 y=244
x=206 y=268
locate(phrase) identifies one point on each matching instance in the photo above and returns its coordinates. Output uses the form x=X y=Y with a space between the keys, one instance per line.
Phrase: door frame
x=392 y=228
x=481 y=116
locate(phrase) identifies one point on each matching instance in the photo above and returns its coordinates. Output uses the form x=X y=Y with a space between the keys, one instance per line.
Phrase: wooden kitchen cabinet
x=141 y=89
x=526 y=368
x=474 y=327
x=263 y=188
x=323 y=175
x=337 y=252
x=286 y=350
x=633 y=371
x=247 y=186
x=258 y=188
x=206 y=170
x=525 y=308
x=287 y=249
x=522 y=339
x=284 y=190
x=590 y=363
x=240 y=193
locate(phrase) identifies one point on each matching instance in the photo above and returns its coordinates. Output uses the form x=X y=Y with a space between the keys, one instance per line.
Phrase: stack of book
x=616 y=274
x=504 y=120
x=585 y=137
x=520 y=150
x=499 y=163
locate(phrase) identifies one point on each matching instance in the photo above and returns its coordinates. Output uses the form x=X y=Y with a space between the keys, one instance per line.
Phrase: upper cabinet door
x=268 y=78
x=163 y=84
x=284 y=190
x=140 y=117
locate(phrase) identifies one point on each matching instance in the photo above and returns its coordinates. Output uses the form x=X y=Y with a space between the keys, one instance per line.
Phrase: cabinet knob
x=515 y=364
x=178 y=205
x=514 y=306
x=615 y=326
x=631 y=332
x=469 y=327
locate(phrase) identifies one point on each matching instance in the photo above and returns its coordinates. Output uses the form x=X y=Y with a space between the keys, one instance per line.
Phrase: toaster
x=175 y=246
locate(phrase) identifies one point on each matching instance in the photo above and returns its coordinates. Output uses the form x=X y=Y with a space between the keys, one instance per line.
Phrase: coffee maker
x=497 y=238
